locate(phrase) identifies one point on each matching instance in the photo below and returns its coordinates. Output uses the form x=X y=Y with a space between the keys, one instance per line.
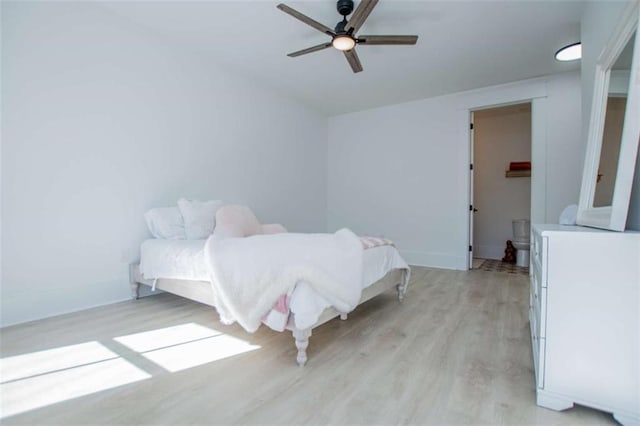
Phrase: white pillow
x=165 y=223
x=569 y=215
x=199 y=217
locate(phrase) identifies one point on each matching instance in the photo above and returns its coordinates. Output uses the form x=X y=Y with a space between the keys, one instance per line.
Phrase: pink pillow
x=237 y=221
x=273 y=228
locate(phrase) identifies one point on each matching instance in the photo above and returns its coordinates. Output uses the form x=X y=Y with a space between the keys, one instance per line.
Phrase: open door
x=499 y=139
x=472 y=209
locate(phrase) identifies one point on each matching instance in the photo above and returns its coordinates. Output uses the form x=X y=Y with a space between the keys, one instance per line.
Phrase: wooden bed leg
x=302 y=341
x=343 y=317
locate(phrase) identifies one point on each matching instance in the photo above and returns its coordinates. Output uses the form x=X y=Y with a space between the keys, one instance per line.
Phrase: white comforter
x=250 y=274
x=184 y=260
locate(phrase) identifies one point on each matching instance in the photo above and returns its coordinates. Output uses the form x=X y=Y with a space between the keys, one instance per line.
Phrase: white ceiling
x=462 y=45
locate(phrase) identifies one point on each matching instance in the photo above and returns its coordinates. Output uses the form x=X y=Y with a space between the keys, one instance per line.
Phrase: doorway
x=501 y=152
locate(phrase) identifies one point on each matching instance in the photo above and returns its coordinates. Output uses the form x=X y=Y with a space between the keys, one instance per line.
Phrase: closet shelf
x=517 y=173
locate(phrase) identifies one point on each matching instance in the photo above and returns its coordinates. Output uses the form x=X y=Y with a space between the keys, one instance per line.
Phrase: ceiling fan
x=343 y=37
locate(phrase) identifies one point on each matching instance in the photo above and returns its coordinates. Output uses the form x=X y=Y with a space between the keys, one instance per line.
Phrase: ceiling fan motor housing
x=340 y=27
x=345 y=7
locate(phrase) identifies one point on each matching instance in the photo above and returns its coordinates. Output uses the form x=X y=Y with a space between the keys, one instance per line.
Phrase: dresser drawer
x=538 y=348
x=540 y=362
x=538 y=304
x=539 y=257
x=540 y=310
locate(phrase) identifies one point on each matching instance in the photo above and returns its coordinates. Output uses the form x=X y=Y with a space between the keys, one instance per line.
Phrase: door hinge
x=470 y=166
x=470 y=248
x=470 y=208
x=471 y=126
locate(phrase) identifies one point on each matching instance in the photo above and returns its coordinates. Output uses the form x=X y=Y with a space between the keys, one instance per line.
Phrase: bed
x=179 y=267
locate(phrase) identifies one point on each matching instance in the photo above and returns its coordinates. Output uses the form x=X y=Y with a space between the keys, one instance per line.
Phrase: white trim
x=472 y=200
x=434 y=260
x=502 y=95
x=539 y=161
x=534 y=91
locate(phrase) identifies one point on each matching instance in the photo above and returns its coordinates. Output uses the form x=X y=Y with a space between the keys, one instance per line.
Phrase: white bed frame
x=202 y=291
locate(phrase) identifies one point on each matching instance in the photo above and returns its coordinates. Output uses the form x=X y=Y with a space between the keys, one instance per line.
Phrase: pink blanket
x=370 y=242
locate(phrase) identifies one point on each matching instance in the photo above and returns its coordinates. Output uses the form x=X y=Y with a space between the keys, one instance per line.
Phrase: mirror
x=614 y=131
x=616 y=104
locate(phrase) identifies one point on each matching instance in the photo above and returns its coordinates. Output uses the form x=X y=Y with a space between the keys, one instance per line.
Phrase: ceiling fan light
x=571 y=52
x=343 y=42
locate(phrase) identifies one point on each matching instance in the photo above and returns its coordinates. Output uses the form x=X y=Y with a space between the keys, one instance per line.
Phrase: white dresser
x=584 y=311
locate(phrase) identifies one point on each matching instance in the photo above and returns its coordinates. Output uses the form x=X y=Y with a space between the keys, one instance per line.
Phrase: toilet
x=521 y=236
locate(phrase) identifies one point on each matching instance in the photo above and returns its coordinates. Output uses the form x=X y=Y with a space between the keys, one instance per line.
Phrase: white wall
x=501 y=135
x=1 y=149
x=565 y=147
x=633 y=220
x=598 y=22
x=100 y=123
x=402 y=170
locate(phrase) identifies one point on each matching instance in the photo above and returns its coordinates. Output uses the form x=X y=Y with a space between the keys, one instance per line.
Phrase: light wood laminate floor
x=456 y=351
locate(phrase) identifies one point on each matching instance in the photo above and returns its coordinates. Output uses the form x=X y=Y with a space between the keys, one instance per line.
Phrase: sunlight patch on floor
x=34 y=380
x=185 y=346
x=42 y=362
x=164 y=337
x=43 y=378
x=192 y=354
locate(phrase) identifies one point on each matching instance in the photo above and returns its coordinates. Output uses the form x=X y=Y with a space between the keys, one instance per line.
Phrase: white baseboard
x=31 y=306
x=434 y=260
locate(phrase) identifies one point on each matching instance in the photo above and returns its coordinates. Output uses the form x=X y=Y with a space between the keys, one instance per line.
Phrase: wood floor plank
x=456 y=351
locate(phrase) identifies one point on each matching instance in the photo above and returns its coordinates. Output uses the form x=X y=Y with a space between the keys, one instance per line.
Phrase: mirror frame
x=613 y=217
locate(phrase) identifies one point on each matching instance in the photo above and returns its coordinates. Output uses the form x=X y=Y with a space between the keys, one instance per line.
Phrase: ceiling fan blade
x=387 y=39
x=354 y=61
x=304 y=18
x=360 y=15
x=309 y=50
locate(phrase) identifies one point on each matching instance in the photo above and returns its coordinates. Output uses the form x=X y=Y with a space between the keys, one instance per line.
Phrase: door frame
x=472 y=169
x=472 y=135
x=536 y=93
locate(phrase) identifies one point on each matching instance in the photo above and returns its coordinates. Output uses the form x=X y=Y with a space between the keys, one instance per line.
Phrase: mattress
x=185 y=260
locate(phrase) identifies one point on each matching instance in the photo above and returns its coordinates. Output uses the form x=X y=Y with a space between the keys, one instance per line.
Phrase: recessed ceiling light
x=571 y=52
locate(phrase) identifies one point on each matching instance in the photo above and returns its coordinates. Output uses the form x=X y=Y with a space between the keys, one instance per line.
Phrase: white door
x=471 y=207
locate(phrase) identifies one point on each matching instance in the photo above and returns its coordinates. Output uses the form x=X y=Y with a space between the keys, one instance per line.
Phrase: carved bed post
x=400 y=289
x=302 y=341
x=135 y=291
x=402 y=286
x=135 y=286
